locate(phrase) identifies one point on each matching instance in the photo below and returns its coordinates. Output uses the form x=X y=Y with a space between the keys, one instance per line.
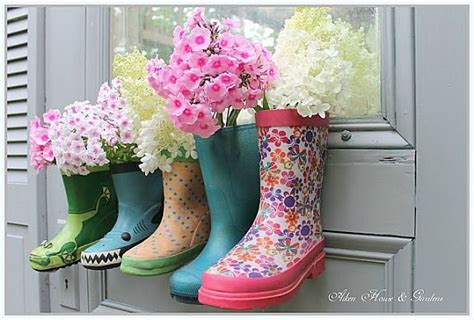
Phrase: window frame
x=395 y=129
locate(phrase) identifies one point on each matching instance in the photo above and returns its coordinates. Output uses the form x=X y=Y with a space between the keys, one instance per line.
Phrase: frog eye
x=46 y=244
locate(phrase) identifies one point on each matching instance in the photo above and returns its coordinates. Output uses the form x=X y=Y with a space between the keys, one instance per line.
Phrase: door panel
x=370 y=191
x=355 y=263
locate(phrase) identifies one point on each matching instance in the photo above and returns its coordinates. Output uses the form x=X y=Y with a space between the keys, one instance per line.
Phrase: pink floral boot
x=284 y=246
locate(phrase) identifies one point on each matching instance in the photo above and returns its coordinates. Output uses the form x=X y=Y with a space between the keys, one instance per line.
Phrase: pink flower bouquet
x=212 y=71
x=84 y=136
x=66 y=140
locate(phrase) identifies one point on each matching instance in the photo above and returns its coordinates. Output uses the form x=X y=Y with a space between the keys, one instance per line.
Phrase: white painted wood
x=17 y=121
x=17 y=40
x=25 y=220
x=405 y=73
x=15 y=249
x=17 y=107
x=17 y=94
x=17 y=26
x=387 y=70
x=369 y=191
x=18 y=52
x=14 y=14
x=16 y=80
x=17 y=67
x=397 y=70
x=442 y=103
x=17 y=135
x=388 y=139
x=17 y=148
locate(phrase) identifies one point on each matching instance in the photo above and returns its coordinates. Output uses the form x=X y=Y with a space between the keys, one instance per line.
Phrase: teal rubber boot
x=229 y=165
x=140 y=200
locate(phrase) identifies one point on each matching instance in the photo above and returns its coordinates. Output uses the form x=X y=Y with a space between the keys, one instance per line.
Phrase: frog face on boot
x=92 y=211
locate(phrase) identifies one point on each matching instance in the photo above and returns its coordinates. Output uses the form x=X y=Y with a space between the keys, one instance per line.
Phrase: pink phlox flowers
x=210 y=70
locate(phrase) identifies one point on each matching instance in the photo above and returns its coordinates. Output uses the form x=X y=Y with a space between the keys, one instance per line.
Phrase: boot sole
x=154 y=267
x=53 y=269
x=185 y=299
x=261 y=299
x=57 y=268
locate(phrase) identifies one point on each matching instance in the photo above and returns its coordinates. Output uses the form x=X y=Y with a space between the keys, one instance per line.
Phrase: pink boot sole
x=265 y=298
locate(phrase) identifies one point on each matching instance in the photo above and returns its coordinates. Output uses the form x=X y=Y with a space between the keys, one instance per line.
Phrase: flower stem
x=220 y=119
x=234 y=114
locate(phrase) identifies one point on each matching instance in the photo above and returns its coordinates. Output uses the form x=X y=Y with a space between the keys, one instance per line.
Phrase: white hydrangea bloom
x=159 y=143
x=311 y=79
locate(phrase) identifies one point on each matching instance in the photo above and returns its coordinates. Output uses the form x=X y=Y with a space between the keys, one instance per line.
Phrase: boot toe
x=185 y=283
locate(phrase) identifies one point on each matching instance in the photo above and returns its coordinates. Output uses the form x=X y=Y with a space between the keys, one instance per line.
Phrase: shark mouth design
x=101 y=259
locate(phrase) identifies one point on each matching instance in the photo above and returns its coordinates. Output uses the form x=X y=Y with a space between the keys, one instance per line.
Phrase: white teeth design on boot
x=101 y=259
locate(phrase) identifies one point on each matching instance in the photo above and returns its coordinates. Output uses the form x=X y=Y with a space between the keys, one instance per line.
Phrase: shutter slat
x=17 y=107
x=17 y=80
x=17 y=162
x=17 y=66
x=15 y=14
x=17 y=53
x=17 y=121
x=17 y=176
x=17 y=94
x=17 y=39
x=17 y=135
x=17 y=26
x=17 y=149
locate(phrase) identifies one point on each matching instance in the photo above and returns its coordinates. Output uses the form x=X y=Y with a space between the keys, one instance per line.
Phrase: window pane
x=150 y=29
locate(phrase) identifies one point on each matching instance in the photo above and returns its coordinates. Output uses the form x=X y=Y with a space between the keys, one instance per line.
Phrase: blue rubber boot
x=140 y=201
x=229 y=165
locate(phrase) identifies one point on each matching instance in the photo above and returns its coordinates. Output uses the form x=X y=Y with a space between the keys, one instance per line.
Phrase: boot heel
x=318 y=267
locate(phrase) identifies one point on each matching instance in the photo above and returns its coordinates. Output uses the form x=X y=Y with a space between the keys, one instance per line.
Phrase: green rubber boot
x=92 y=211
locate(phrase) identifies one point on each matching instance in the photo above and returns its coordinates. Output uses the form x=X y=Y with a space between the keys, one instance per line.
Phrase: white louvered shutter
x=27 y=291
x=17 y=95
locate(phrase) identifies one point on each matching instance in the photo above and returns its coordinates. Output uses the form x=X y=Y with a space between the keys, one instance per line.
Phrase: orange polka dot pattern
x=186 y=221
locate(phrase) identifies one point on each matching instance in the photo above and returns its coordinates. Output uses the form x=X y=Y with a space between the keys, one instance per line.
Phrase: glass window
x=150 y=29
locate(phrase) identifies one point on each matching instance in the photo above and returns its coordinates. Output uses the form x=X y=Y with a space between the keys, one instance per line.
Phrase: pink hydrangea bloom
x=211 y=70
x=40 y=145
